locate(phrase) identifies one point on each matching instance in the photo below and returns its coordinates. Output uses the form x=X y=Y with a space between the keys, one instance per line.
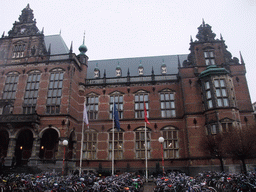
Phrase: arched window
x=118 y=144
x=7 y=109
x=171 y=142
x=140 y=142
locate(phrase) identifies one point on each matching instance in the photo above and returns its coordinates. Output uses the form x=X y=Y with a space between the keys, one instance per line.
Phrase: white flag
x=85 y=116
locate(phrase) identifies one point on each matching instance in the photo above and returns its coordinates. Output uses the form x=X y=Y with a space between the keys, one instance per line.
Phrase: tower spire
x=84 y=38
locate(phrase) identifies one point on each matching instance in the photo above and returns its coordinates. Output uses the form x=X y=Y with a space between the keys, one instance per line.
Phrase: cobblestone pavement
x=149 y=187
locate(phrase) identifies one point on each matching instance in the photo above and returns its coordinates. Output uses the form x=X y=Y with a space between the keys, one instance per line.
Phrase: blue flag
x=116 y=117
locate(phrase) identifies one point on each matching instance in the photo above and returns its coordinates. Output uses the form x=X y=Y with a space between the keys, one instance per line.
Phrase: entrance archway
x=49 y=144
x=23 y=148
x=4 y=142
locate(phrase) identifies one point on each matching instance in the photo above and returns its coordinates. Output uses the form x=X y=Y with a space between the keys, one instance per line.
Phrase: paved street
x=149 y=187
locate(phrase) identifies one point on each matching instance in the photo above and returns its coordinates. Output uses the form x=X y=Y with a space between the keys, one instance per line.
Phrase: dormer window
x=96 y=73
x=118 y=72
x=164 y=69
x=209 y=57
x=18 y=50
x=140 y=69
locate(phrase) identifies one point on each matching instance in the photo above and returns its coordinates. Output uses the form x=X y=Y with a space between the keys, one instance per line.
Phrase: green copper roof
x=213 y=70
x=82 y=49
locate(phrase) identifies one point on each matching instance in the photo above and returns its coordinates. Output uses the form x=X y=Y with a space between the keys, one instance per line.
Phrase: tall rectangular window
x=92 y=106
x=31 y=93
x=118 y=100
x=221 y=93
x=140 y=143
x=170 y=145
x=54 y=92
x=89 y=147
x=118 y=145
x=208 y=95
x=209 y=58
x=167 y=105
x=10 y=87
x=140 y=98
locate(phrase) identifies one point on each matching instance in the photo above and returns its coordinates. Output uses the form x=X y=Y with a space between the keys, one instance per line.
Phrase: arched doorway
x=49 y=144
x=23 y=148
x=4 y=142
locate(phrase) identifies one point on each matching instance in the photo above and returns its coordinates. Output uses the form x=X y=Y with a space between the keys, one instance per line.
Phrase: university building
x=43 y=87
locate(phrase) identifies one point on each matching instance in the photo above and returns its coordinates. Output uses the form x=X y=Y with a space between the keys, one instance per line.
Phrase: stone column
x=33 y=161
x=10 y=152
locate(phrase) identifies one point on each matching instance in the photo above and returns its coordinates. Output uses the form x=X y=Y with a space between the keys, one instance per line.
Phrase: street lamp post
x=161 y=140
x=64 y=143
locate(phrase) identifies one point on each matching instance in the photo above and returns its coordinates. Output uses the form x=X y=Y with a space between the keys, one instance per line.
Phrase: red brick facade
x=44 y=56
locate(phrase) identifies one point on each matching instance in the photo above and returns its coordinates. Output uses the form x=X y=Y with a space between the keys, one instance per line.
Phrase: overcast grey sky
x=136 y=28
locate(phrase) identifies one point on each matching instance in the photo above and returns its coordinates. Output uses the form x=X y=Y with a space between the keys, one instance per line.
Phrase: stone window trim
x=54 y=94
x=140 y=98
x=167 y=102
x=209 y=57
x=92 y=106
x=171 y=142
x=31 y=92
x=140 y=142
x=118 y=143
x=116 y=98
x=90 y=144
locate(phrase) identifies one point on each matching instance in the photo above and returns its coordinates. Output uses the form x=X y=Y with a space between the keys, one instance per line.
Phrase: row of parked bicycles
x=130 y=182
x=53 y=182
x=206 y=182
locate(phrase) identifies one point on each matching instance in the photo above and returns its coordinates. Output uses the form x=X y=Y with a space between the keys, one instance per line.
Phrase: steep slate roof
x=58 y=46
x=110 y=65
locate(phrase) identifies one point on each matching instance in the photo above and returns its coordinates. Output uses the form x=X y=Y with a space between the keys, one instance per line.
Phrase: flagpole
x=113 y=134
x=85 y=120
x=81 y=151
x=146 y=153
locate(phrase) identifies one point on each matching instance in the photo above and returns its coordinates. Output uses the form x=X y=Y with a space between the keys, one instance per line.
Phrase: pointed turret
x=49 y=49
x=191 y=40
x=241 y=58
x=179 y=62
x=71 y=47
x=83 y=49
